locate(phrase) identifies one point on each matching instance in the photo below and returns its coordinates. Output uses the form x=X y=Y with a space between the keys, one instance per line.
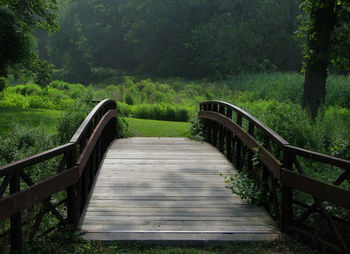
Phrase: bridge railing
x=299 y=202
x=59 y=186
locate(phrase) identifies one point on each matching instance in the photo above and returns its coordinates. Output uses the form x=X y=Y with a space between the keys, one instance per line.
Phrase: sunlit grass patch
x=28 y=117
x=155 y=128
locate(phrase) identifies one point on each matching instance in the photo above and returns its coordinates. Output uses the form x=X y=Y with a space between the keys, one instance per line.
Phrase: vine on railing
x=302 y=204
x=64 y=192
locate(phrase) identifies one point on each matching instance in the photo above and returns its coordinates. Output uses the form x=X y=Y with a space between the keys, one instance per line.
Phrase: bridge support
x=15 y=220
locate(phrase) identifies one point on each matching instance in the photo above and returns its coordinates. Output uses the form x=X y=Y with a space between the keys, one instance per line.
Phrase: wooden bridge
x=170 y=189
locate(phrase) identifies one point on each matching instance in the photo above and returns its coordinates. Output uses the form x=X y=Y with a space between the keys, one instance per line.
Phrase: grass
x=155 y=128
x=28 y=117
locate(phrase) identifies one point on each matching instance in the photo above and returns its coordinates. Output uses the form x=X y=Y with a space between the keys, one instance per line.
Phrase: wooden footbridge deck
x=170 y=189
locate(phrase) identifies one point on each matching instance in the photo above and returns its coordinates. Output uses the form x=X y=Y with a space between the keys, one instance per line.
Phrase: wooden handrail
x=240 y=145
x=35 y=159
x=77 y=136
x=85 y=155
x=91 y=139
x=270 y=161
x=272 y=134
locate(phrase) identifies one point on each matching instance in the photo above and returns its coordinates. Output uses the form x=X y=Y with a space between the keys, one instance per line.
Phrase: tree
x=327 y=30
x=18 y=21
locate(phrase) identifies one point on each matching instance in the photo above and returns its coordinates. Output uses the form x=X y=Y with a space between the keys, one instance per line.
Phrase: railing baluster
x=221 y=130
x=287 y=194
x=239 y=158
x=229 y=137
x=215 y=127
x=15 y=220
x=250 y=154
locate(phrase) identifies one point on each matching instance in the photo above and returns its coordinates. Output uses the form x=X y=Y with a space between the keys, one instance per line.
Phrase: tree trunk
x=319 y=42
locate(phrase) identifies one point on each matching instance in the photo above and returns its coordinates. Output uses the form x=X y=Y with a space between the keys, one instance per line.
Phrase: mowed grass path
x=28 y=117
x=155 y=128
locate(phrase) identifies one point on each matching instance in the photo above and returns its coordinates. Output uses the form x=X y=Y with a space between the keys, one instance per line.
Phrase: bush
x=14 y=100
x=161 y=112
x=3 y=83
x=24 y=141
x=122 y=127
x=71 y=120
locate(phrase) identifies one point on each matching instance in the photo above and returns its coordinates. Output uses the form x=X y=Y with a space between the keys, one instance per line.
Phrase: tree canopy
x=166 y=38
x=19 y=19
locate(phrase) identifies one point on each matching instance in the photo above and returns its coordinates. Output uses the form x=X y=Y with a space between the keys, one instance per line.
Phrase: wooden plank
x=225 y=219
x=142 y=183
x=164 y=162
x=152 y=187
x=110 y=228
x=116 y=167
x=167 y=203
x=162 y=198
x=177 y=236
x=233 y=211
x=162 y=156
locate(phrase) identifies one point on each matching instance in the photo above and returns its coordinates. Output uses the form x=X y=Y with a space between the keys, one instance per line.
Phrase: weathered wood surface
x=169 y=189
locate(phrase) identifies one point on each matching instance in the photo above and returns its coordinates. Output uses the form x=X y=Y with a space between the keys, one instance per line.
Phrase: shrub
x=122 y=127
x=3 y=83
x=36 y=101
x=60 y=85
x=161 y=112
x=14 y=100
x=70 y=122
x=24 y=141
x=196 y=129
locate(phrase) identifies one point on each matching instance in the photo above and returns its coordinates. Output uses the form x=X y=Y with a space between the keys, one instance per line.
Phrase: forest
x=284 y=61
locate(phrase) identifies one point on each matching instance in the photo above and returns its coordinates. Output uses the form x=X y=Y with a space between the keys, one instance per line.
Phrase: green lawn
x=28 y=117
x=155 y=128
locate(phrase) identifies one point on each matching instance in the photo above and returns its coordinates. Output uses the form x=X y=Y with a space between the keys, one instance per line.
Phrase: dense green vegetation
x=273 y=98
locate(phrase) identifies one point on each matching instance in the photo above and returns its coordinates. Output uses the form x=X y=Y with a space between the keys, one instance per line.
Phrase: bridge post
x=229 y=137
x=209 y=124
x=239 y=163
x=215 y=127
x=72 y=196
x=15 y=220
x=287 y=195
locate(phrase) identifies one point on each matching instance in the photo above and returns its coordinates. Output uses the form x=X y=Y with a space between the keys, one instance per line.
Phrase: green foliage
x=3 y=83
x=196 y=128
x=17 y=25
x=188 y=38
x=165 y=112
x=24 y=141
x=70 y=122
x=43 y=72
x=243 y=185
x=57 y=95
x=122 y=127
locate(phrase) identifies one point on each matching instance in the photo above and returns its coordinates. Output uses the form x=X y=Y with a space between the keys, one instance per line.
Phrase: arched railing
x=299 y=202
x=63 y=192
